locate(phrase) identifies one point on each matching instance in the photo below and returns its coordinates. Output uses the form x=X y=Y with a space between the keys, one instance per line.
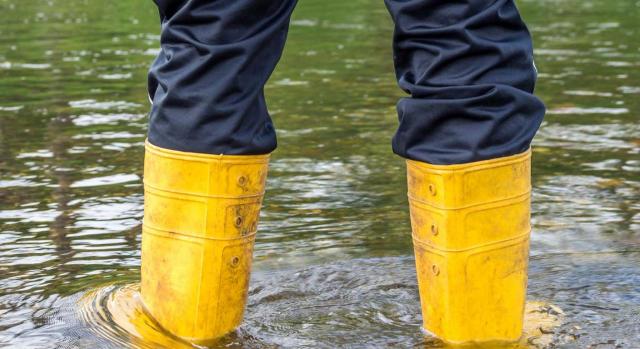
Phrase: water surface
x=333 y=261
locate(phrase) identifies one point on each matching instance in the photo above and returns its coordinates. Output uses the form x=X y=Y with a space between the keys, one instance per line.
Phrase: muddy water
x=333 y=261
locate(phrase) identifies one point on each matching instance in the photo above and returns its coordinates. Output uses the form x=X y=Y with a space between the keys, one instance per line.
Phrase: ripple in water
x=116 y=314
x=355 y=304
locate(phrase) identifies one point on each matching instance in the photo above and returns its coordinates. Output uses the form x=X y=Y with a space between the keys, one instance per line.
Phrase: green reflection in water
x=333 y=263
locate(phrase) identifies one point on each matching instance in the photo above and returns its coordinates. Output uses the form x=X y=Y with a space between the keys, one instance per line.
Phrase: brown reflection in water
x=61 y=194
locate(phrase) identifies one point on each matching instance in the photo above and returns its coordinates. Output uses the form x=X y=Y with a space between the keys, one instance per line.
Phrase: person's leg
x=206 y=159
x=207 y=82
x=466 y=130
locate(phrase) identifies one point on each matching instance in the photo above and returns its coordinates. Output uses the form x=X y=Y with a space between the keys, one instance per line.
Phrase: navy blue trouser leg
x=468 y=67
x=207 y=83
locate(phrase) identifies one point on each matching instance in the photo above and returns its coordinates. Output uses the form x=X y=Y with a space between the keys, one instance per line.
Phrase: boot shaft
x=471 y=227
x=200 y=220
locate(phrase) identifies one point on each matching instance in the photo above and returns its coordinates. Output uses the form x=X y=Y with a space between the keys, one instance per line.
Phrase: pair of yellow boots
x=470 y=232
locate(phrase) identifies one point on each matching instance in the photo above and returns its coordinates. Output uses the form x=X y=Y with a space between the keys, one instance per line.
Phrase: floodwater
x=333 y=261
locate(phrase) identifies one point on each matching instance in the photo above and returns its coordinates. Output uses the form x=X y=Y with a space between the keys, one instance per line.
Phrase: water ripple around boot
x=363 y=303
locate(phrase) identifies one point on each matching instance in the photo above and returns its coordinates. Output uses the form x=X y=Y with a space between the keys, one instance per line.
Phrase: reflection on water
x=333 y=265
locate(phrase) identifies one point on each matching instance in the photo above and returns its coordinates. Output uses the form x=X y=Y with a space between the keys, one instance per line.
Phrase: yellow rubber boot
x=200 y=218
x=471 y=227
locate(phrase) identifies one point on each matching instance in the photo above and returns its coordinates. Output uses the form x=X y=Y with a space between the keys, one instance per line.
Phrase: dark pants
x=466 y=64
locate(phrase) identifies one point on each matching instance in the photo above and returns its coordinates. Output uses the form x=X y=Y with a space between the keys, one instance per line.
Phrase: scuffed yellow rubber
x=471 y=228
x=200 y=220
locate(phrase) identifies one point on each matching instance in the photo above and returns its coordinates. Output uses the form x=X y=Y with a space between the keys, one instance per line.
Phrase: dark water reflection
x=333 y=265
